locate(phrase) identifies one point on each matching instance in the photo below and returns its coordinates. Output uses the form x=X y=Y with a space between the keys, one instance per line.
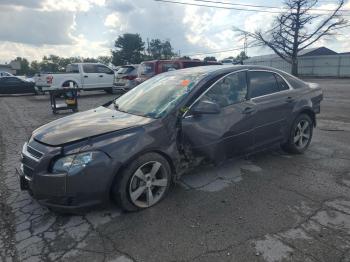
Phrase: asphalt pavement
x=270 y=207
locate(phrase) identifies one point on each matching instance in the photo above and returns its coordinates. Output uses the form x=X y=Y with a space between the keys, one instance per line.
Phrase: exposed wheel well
x=310 y=113
x=66 y=83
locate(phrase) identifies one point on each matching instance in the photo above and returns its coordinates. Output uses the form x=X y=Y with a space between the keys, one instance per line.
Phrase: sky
x=88 y=28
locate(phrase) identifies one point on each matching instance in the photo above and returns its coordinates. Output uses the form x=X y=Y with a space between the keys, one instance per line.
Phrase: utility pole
x=148 y=46
x=245 y=47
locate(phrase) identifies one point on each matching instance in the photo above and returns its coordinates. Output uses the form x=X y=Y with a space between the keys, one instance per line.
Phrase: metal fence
x=326 y=65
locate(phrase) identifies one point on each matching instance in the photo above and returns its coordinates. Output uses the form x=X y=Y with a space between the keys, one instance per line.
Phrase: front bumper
x=51 y=190
x=85 y=188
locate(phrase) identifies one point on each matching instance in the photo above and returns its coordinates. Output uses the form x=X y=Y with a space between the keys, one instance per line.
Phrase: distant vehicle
x=86 y=76
x=132 y=148
x=149 y=69
x=227 y=62
x=16 y=85
x=126 y=77
x=3 y=73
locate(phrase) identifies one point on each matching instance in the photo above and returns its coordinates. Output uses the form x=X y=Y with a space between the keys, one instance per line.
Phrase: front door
x=227 y=133
x=105 y=75
x=91 y=77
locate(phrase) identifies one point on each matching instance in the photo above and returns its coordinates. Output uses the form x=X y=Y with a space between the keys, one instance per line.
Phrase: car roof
x=218 y=69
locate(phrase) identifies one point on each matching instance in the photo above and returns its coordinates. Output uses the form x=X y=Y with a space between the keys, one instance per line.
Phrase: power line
x=220 y=7
x=222 y=51
x=264 y=6
x=226 y=7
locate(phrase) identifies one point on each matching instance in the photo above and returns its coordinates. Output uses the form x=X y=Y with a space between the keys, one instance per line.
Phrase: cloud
x=83 y=48
x=122 y=6
x=25 y=3
x=112 y=21
x=70 y=5
x=35 y=27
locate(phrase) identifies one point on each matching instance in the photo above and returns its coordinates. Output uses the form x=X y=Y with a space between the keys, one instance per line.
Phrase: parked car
x=132 y=148
x=126 y=77
x=16 y=85
x=86 y=76
x=3 y=73
x=151 y=68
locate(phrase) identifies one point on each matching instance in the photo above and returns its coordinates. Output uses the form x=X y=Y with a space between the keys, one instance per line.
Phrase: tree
x=210 y=59
x=24 y=66
x=105 y=59
x=155 y=48
x=240 y=58
x=128 y=49
x=297 y=29
x=185 y=57
x=160 y=50
x=167 y=50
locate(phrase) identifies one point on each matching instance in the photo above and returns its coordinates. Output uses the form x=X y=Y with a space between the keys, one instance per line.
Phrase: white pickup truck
x=85 y=76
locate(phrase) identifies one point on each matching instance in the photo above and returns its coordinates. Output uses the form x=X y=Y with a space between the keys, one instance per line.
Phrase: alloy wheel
x=148 y=184
x=302 y=134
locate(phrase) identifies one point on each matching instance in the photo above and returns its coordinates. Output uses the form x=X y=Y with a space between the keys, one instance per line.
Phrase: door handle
x=248 y=110
x=289 y=99
x=86 y=76
x=100 y=75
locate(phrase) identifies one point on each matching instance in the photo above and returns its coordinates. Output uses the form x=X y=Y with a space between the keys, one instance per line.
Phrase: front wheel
x=300 y=135
x=144 y=183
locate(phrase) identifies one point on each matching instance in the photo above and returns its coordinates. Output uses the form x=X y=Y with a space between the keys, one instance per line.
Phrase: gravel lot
x=271 y=207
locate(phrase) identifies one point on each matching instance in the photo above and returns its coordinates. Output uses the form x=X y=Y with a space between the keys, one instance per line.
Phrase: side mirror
x=205 y=107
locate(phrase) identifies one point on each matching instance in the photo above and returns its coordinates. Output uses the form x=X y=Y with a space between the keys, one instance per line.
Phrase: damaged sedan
x=132 y=149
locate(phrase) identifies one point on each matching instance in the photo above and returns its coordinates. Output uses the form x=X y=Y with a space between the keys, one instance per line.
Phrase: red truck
x=149 y=69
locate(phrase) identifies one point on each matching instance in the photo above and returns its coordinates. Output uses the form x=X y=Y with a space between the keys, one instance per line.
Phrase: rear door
x=272 y=107
x=90 y=76
x=228 y=133
x=106 y=76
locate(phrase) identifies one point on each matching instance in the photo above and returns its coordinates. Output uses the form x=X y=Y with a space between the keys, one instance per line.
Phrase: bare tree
x=297 y=28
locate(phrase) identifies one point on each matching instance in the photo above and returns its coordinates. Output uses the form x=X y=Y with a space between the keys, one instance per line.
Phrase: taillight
x=129 y=77
x=49 y=79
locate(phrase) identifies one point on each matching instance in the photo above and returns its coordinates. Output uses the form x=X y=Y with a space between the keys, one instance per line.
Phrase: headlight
x=72 y=163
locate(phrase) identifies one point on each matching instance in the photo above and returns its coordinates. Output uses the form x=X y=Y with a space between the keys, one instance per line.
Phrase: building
x=7 y=68
x=319 y=61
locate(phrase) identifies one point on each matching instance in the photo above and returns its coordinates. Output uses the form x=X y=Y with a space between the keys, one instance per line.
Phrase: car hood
x=86 y=124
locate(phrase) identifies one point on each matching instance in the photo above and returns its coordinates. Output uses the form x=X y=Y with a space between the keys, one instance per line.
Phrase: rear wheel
x=300 y=135
x=144 y=183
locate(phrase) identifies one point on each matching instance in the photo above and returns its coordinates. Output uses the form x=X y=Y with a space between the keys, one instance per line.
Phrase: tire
x=136 y=188
x=111 y=90
x=300 y=135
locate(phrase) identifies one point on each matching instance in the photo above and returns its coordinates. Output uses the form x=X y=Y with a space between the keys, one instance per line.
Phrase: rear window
x=125 y=69
x=295 y=82
x=146 y=69
x=72 y=68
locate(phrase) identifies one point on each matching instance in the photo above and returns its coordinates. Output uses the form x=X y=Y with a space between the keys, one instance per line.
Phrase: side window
x=104 y=69
x=13 y=80
x=171 y=66
x=281 y=83
x=262 y=83
x=90 y=68
x=73 y=68
x=229 y=90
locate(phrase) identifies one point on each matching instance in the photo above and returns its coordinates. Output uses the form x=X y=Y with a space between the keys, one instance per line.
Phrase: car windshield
x=157 y=96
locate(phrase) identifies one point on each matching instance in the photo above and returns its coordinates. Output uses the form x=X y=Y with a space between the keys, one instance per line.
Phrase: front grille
x=36 y=154
x=27 y=171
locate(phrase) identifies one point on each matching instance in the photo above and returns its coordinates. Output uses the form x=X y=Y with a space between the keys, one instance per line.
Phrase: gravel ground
x=271 y=207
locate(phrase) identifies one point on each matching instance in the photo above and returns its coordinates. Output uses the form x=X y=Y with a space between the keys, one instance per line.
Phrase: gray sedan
x=131 y=149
